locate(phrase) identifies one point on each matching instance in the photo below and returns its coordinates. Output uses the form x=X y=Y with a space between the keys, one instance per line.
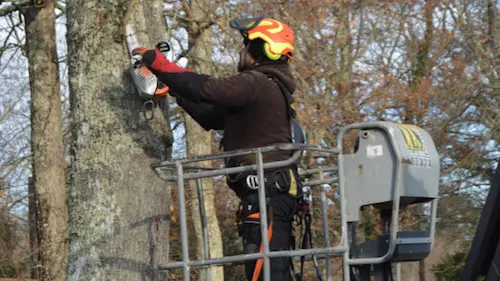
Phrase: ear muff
x=269 y=54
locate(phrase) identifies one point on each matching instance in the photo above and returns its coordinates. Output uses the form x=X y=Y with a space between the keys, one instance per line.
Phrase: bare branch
x=61 y=7
x=20 y=200
x=183 y=21
x=204 y=25
x=187 y=9
x=13 y=7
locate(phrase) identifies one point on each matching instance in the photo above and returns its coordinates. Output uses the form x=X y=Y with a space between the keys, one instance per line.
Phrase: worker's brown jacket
x=248 y=106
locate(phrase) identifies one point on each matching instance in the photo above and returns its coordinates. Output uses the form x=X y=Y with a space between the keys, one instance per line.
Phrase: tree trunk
x=350 y=111
x=33 y=229
x=200 y=142
x=46 y=141
x=492 y=12
x=416 y=108
x=119 y=208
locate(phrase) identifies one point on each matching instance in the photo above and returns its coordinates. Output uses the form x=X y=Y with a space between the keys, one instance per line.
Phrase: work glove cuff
x=149 y=56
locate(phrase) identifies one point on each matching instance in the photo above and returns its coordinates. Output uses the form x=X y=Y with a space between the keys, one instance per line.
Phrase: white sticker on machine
x=374 y=151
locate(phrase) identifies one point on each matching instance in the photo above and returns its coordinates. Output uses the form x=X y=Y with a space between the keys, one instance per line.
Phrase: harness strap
x=288 y=98
x=286 y=94
x=307 y=237
x=307 y=233
x=260 y=262
x=297 y=133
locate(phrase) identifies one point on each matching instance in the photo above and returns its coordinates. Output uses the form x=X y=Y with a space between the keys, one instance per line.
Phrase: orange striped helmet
x=278 y=37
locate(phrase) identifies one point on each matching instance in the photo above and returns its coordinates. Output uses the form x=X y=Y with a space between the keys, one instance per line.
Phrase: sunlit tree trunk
x=46 y=141
x=199 y=141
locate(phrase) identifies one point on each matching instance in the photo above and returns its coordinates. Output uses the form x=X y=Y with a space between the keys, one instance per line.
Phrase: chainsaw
x=147 y=84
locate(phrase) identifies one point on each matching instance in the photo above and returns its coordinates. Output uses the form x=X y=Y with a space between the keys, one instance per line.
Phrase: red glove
x=184 y=82
x=156 y=61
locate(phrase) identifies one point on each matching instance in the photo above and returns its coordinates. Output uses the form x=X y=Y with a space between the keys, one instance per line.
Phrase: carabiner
x=151 y=104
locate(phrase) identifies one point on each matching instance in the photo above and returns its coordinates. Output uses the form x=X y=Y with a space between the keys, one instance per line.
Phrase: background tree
x=46 y=137
x=198 y=141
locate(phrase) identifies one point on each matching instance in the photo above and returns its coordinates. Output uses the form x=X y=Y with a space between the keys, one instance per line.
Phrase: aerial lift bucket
x=393 y=166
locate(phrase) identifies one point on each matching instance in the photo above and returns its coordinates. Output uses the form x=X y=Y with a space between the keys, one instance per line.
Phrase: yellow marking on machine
x=413 y=140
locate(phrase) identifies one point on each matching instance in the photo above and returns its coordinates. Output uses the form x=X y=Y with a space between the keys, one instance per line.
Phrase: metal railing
x=185 y=172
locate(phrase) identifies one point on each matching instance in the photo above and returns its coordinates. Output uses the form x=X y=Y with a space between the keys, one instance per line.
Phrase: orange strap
x=258 y=266
x=254 y=216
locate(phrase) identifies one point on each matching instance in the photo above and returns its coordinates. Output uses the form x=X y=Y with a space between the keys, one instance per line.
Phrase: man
x=254 y=110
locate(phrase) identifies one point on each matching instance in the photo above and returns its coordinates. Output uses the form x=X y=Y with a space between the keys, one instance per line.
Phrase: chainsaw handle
x=163 y=46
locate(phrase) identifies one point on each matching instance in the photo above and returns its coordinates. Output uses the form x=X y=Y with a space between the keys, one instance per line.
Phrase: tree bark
x=46 y=141
x=200 y=142
x=119 y=208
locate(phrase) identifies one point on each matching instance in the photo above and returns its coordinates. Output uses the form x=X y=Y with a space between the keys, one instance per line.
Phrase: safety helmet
x=278 y=37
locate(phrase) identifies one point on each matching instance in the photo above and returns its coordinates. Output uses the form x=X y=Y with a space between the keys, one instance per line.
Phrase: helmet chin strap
x=242 y=65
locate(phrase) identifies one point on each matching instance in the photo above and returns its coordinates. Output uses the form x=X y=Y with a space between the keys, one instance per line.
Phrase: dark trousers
x=281 y=210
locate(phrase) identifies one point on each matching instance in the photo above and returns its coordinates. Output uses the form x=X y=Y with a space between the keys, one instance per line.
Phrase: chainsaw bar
x=145 y=81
